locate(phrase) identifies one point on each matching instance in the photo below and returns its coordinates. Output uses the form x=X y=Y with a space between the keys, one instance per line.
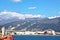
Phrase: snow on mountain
x=53 y=17
x=6 y=16
x=20 y=16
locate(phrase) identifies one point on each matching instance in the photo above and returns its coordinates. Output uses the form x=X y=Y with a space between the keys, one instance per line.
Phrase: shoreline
x=36 y=35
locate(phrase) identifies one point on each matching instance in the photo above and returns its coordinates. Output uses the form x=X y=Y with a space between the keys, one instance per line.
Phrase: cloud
x=30 y=8
x=11 y=14
x=16 y=0
x=58 y=12
x=7 y=15
x=19 y=15
x=32 y=16
x=53 y=17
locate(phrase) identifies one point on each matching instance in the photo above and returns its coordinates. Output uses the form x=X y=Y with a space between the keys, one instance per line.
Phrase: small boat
x=5 y=37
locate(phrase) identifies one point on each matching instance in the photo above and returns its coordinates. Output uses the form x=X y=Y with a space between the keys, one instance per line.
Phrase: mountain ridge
x=29 y=22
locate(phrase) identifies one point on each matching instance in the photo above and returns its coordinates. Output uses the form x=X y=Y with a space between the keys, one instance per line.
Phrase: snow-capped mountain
x=35 y=24
x=6 y=17
x=29 y=21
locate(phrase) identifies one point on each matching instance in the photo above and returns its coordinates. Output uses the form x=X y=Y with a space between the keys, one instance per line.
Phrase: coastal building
x=50 y=32
x=25 y=33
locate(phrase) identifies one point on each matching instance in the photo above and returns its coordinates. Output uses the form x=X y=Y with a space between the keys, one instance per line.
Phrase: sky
x=35 y=7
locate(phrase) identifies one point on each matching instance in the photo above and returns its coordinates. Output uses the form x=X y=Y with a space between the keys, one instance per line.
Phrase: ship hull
x=6 y=38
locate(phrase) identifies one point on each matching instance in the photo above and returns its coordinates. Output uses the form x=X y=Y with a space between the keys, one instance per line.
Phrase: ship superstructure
x=4 y=35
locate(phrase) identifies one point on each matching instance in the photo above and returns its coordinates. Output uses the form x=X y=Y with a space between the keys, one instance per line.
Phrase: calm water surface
x=36 y=37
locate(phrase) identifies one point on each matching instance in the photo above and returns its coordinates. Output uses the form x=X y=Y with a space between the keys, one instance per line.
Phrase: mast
x=3 y=31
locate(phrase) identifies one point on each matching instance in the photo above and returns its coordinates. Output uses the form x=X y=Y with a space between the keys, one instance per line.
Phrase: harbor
x=48 y=32
x=41 y=33
x=6 y=34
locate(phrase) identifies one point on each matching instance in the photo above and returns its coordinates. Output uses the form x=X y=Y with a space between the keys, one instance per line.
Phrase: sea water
x=36 y=37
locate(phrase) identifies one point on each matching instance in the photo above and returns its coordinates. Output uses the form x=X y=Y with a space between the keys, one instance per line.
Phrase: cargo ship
x=4 y=36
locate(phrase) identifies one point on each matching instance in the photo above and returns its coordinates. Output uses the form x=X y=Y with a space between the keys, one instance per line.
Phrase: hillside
x=35 y=24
